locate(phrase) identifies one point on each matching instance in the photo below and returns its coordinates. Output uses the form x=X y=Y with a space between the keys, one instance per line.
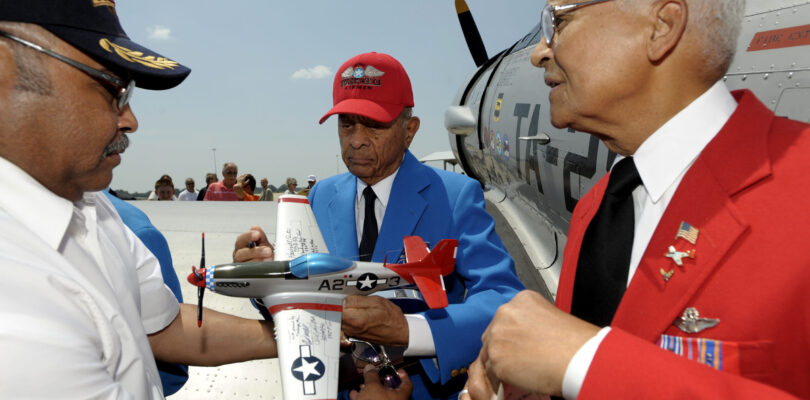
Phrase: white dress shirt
x=185 y=195
x=78 y=295
x=662 y=161
x=420 y=337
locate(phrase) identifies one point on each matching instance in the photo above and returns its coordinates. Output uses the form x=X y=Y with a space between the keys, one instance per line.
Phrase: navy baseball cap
x=92 y=26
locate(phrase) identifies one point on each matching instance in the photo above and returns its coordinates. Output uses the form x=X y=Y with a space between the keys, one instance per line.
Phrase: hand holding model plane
x=304 y=291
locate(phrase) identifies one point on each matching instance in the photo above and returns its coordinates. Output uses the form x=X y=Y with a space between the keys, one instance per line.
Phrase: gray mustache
x=118 y=146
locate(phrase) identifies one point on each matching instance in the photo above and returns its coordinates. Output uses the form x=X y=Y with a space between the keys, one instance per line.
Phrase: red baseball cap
x=372 y=85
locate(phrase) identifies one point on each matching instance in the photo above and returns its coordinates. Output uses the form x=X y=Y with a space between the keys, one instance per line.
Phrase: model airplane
x=305 y=293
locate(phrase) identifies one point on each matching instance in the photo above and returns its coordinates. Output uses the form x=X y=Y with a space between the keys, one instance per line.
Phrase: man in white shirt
x=714 y=278
x=83 y=306
x=188 y=194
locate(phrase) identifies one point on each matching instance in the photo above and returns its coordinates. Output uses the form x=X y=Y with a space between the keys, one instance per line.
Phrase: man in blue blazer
x=373 y=100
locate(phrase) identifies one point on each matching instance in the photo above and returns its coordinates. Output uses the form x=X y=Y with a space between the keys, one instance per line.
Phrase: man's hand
x=238 y=187
x=528 y=344
x=374 y=390
x=252 y=246
x=374 y=319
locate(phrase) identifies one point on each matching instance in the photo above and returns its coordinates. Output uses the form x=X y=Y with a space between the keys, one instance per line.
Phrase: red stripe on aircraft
x=292 y=200
x=780 y=38
x=304 y=306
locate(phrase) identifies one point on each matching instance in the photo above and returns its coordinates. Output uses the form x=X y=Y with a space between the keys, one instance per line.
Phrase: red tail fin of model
x=427 y=269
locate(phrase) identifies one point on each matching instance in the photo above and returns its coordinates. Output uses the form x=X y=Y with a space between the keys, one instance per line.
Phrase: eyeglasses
x=375 y=355
x=229 y=173
x=549 y=11
x=121 y=90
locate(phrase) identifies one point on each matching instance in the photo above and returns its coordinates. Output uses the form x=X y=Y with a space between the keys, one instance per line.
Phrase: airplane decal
x=780 y=38
x=366 y=282
x=307 y=369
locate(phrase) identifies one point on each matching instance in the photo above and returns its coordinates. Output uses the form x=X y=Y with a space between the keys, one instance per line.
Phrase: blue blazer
x=435 y=205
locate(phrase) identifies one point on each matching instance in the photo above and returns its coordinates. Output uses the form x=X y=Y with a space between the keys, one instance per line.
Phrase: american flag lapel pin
x=687 y=232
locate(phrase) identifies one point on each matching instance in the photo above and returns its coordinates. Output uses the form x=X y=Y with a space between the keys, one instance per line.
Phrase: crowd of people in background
x=230 y=188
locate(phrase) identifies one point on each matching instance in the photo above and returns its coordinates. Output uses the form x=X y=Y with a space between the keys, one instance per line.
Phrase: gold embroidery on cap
x=103 y=3
x=137 y=56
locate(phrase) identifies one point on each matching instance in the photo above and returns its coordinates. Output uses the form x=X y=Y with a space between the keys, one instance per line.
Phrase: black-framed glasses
x=375 y=355
x=122 y=90
x=549 y=11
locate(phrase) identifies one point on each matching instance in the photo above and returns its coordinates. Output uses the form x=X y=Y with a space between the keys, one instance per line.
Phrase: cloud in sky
x=159 y=32
x=316 y=72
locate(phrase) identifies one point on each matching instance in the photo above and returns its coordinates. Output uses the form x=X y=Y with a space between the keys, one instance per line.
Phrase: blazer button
x=454 y=373
x=463 y=370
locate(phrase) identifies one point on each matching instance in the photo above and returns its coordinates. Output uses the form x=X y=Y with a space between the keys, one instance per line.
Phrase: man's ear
x=410 y=130
x=670 y=22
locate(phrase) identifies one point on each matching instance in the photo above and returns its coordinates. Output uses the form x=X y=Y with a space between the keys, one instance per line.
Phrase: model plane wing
x=308 y=340
x=297 y=232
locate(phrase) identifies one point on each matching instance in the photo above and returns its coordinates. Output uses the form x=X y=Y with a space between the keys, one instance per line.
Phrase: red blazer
x=748 y=194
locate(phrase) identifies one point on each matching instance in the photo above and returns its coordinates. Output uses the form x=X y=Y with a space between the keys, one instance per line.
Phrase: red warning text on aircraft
x=780 y=38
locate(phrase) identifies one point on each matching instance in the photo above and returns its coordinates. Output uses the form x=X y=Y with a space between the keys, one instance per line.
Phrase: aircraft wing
x=297 y=232
x=308 y=340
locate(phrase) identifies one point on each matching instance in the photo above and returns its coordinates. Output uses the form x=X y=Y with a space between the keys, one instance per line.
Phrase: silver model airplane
x=534 y=173
x=304 y=293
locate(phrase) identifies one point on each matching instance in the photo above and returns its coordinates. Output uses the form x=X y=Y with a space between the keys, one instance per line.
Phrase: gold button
x=454 y=373
x=463 y=370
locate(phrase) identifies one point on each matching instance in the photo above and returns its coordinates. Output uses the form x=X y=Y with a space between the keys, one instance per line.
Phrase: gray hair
x=31 y=74
x=718 y=23
x=715 y=25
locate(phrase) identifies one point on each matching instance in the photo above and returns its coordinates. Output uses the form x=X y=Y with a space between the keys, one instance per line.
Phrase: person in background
x=267 y=194
x=188 y=194
x=291 y=185
x=223 y=190
x=244 y=187
x=310 y=183
x=164 y=190
x=209 y=179
x=153 y=194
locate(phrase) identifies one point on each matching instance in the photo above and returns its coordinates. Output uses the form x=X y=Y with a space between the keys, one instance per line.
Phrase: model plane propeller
x=304 y=293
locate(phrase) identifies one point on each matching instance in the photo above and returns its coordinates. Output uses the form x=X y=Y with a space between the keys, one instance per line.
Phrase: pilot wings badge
x=692 y=322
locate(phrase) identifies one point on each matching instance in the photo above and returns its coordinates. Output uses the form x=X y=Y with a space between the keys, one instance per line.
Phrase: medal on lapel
x=692 y=322
x=688 y=233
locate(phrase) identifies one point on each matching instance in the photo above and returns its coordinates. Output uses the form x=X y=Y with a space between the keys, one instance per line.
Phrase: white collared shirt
x=78 y=296
x=662 y=161
x=420 y=337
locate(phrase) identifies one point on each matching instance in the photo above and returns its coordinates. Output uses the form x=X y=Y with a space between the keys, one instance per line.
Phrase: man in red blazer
x=717 y=302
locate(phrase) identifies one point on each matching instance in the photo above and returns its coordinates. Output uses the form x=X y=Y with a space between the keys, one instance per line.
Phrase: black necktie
x=369 y=238
x=604 y=259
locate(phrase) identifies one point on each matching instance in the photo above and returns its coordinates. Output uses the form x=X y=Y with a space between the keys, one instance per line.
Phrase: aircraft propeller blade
x=471 y=34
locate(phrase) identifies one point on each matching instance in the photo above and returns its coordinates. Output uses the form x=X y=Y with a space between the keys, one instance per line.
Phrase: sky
x=262 y=73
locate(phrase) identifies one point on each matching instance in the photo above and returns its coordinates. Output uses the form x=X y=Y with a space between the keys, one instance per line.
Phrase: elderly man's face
x=73 y=133
x=594 y=65
x=229 y=175
x=372 y=151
